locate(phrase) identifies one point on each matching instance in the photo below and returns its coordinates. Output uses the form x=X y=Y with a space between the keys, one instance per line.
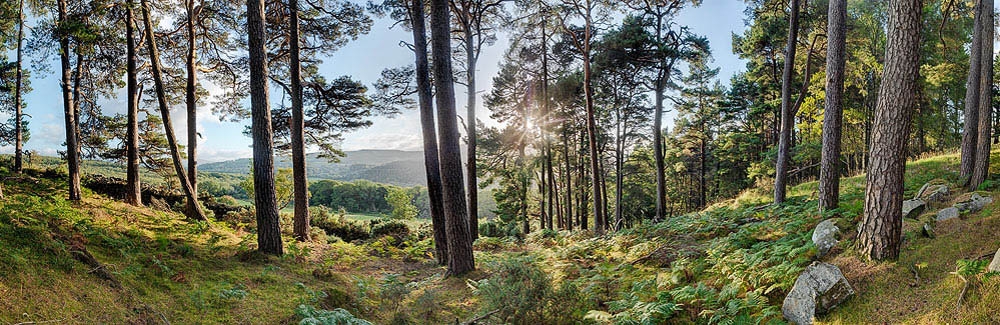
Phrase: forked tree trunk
x=426 y=100
x=168 y=128
x=829 y=173
x=301 y=183
x=133 y=187
x=595 y=170
x=460 y=259
x=985 y=96
x=787 y=117
x=970 y=132
x=69 y=109
x=265 y=203
x=881 y=227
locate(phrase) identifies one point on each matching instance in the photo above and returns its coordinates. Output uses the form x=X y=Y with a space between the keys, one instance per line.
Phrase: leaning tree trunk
x=161 y=97
x=133 y=187
x=982 y=163
x=265 y=203
x=300 y=180
x=970 y=133
x=191 y=100
x=881 y=228
x=69 y=109
x=426 y=100
x=460 y=259
x=18 y=114
x=787 y=119
x=829 y=172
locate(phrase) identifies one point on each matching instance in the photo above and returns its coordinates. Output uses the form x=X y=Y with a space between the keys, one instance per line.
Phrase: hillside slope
x=733 y=262
x=396 y=167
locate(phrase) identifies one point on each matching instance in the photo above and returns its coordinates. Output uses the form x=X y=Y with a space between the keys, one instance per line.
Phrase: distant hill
x=397 y=167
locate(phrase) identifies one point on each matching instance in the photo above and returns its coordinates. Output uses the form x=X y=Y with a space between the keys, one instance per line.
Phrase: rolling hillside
x=402 y=168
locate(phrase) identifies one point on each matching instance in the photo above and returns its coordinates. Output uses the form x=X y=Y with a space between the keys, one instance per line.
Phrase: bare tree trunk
x=972 y=104
x=133 y=186
x=829 y=173
x=168 y=128
x=69 y=109
x=982 y=162
x=568 y=202
x=191 y=100
x=787 y=118
x=426 y=99
x=301 y=183
x=460 y=259
x=599 y=223
x=881 y=228
x=18 y=116
x=472 y=183
x=265 y=203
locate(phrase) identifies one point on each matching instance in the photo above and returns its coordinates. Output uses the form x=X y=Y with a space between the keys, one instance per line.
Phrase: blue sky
x=364 y=60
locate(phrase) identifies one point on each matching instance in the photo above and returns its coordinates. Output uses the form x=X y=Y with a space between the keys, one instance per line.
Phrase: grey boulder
x=947 y=213
x=975 y=203
x=819 y=288
x=995 y=265
x=913 y=208
x=932 y=193
x=825 y=236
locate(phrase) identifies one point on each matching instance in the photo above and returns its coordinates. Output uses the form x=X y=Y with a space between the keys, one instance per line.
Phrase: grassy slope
x=171 y=268
x=735 y=260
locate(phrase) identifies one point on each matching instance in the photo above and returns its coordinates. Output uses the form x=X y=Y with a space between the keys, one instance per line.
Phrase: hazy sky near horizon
x=364 y=60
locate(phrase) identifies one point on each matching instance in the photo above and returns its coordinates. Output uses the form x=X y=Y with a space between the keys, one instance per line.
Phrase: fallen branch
x=965 y=287
x=481 y=317
x=916 y=275
x=42 y=322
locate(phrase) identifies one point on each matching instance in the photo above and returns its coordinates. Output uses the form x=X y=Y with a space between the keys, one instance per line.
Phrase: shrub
x=393 y=228
x=339 y=226
x=522 y=293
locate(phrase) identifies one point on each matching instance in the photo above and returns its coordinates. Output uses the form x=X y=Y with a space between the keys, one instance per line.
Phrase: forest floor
x=101 y=261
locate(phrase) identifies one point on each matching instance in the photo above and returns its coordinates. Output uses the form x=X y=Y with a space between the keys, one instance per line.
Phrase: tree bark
x=426 y=98
x=300 y=221
x=472 y=184
x=18 y=114
x=133 y=186
x=787 y=118
x=829 y=173
x=599 y=222
x=69 y=109
x=161 y=97
x=881 y=227
x=191 y=100
x=982 y=162
x=460 y=259
x=970 y=132
x=265 y=203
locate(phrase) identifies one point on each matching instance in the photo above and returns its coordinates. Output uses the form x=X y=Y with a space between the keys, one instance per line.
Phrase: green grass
x=733 y=262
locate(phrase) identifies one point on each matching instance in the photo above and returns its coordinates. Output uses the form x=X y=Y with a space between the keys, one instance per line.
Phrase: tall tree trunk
x=18 y=116
x=970 y=132
x=659 y=167
x=69 y=109
x=982 y=164
x=265 y=203
x=301 y=183
x=168 y=128
x=426 y=99
x=191 y=100
x=829 y=173
x=460 y=259
x=787 y=117
x=568 y=202
x=472 y=183
x=133 y=186
x=881 y=228
x=599 y=223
